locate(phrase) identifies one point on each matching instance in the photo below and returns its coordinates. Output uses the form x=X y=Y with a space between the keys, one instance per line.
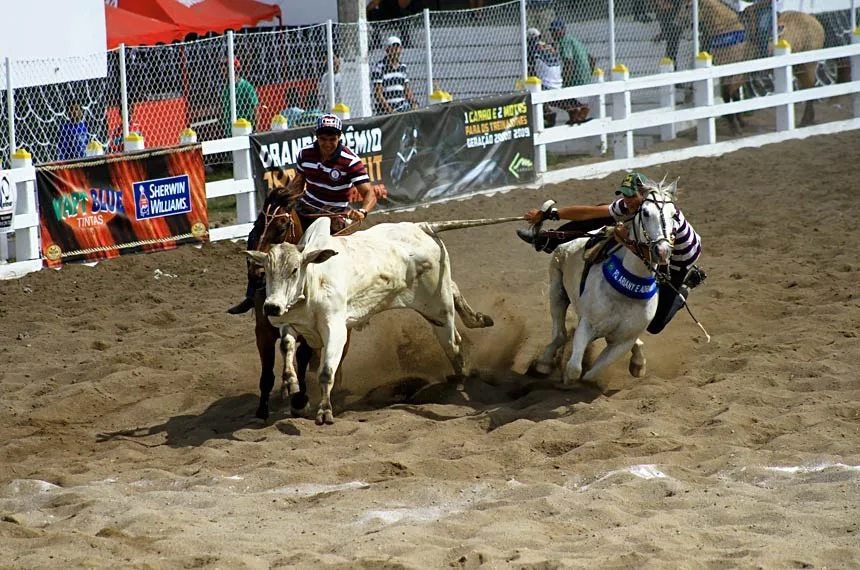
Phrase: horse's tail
x=432 y=228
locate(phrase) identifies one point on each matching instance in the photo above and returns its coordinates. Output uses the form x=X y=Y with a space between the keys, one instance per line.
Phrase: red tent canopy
x=124 y=27
x=206 y=15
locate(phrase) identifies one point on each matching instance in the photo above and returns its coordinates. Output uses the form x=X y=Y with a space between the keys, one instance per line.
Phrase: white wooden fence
x=617 y=130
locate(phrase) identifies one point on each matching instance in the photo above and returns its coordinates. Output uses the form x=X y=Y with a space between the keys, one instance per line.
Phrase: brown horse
x=730 y=38
x=279 y=222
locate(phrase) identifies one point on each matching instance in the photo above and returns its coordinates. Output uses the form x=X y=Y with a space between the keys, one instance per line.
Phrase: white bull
x=324 y=286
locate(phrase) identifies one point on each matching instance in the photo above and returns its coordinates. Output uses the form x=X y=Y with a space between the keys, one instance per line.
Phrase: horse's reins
x=271 y=215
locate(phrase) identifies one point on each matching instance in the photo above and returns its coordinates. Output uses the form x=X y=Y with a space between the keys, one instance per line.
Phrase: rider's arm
x=368 y=200
x=579 y=213
x=573 y=213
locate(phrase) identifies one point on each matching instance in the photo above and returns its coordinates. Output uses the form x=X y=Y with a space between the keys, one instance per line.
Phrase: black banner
x=438 y=152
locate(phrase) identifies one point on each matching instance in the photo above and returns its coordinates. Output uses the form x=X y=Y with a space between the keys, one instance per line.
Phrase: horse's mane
x=662 y=189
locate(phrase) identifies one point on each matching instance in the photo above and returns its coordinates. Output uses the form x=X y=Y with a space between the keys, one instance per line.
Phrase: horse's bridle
x=646 y=242
x=272 y=213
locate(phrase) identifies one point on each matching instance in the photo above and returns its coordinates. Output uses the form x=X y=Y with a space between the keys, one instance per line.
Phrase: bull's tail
x=432 y=228
x=471 y=318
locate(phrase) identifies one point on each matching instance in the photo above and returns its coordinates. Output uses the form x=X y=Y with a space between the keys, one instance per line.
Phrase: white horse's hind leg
x=637 y=359
x=558 y=305
x=610 y=354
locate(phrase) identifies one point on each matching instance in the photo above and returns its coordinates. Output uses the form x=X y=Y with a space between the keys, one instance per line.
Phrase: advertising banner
x=446 y=150
x=7 y=203
x=103 y=207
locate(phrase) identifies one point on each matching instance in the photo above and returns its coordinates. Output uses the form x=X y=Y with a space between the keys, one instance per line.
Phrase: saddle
x=597 y=249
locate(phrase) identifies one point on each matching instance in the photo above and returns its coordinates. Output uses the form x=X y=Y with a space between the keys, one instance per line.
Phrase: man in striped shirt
x=683 y=273
x=392 y=92
x=327 y=172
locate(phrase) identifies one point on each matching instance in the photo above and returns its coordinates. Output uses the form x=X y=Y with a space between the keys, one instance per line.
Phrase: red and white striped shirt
x=327 y=183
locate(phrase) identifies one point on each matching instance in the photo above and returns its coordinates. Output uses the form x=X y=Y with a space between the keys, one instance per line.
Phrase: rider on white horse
x=683 y=274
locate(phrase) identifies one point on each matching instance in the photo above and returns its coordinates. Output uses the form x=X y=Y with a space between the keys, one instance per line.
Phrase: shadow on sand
x=501 y=396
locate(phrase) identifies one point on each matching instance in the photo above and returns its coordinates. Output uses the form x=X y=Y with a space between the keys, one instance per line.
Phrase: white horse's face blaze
x=654 y=224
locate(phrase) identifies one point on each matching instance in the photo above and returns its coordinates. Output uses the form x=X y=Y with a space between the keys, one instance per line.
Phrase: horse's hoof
x=539 y=370
x=486 y=320
x=324 y=417
x=299 y=402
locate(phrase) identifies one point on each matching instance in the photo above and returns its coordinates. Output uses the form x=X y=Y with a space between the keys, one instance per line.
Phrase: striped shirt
x=393 y=81
x=327 y=183
x=688 y=244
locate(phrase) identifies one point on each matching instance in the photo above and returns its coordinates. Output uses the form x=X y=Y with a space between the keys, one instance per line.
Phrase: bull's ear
x=318 y=255
x=256 y=257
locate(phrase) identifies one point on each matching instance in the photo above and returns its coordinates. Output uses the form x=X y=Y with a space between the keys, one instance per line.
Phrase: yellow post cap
x=782 y=44
x=667 y=61
x=188 y=132
x=94 y=145
x=340 y=108
x=448 y=96
x=620 y=68
x=597 y=71
x=277 y=119
x=532 y=80
x=21 y=154
x=242 y=123
x=703 y=55
x=133 y=136
x=439 y=95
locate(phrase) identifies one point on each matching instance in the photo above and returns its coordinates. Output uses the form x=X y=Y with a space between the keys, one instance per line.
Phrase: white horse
x=619 y=296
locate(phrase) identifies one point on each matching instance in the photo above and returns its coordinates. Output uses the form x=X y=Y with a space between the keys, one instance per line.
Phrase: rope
x=128 y=245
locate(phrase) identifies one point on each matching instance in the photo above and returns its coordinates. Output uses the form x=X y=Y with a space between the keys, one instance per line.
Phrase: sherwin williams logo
x=162 y=197
x=519 y=164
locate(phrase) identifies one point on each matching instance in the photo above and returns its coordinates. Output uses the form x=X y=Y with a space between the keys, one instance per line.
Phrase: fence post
x=703 y=96
x=597 y=76
x=246 y=202
x=123 y=91
x=533 y=86
x=696 y=47
x=428 y=54
x=187 y=136
x=612 y=35
x=364 y=87
x=133 y=142
x=26 y=239
x=667 y=99
x=855 y=70
x=783 y=82
x=231 y=76
x=524 y=50
x=622 y=145
x=10 y=107
x=329 y=44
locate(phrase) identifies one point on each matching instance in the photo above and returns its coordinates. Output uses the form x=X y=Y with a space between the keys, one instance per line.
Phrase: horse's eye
x=646 y=213
x=294 y=271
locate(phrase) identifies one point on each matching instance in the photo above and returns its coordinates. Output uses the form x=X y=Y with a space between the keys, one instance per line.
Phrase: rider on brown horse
x=326 y=173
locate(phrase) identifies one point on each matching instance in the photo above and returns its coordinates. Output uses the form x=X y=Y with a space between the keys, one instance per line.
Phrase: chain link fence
x=467 y=53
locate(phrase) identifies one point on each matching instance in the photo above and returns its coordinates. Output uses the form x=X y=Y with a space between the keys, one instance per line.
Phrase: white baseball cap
x=392 y=41
x=532 y=33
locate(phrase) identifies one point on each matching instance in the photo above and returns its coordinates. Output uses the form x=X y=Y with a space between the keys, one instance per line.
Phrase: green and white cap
x=631 y=183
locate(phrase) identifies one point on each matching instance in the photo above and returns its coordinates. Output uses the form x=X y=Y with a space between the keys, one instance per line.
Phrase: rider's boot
x=246 y=304
x=533 y=234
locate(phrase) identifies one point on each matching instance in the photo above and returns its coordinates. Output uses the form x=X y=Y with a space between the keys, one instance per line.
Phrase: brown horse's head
x=277 y=222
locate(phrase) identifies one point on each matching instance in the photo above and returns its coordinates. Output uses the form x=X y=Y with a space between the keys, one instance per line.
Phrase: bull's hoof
x=486 y=320
x=539 y=369
x=298 y=402
x=324 y=417
x=637 y=370
x=262 y=412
